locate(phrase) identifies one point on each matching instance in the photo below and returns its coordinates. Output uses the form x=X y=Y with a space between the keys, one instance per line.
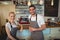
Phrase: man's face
x=32 y=10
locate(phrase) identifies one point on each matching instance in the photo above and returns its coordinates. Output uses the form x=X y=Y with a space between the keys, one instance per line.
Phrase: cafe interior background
x=50 y=9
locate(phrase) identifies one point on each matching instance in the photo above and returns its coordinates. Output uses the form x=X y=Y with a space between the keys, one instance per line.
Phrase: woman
x=11 y=27
x=37 y=24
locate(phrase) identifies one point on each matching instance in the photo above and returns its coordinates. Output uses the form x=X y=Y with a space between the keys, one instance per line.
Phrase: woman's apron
x=13 y=32
x=36 y=35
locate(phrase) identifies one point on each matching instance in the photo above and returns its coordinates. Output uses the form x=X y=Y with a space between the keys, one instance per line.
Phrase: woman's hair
x=7 y=20
x=11 y=13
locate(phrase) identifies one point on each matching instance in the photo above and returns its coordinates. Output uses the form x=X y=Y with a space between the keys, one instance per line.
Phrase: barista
x=37 y=24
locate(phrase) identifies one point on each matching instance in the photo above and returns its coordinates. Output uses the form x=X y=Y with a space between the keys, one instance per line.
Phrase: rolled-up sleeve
x=41 y=21
x=8 y=26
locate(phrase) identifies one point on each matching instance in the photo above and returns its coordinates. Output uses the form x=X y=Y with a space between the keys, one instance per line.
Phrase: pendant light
x=41 y=2
x=29 y=3
x=52 y=2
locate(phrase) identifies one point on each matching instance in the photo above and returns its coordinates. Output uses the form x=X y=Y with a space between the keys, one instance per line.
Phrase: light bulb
x=41 y=2
x=52 y=2
x=29 y=3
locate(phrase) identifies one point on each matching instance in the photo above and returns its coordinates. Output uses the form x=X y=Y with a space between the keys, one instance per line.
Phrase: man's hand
x=36 y=29
x=32 y=29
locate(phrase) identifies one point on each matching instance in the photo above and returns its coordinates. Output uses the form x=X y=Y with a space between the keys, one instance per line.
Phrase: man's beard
x=33 y=13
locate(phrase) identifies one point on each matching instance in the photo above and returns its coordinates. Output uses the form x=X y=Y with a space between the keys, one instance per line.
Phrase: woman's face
x=12 y=16
x=32 y=10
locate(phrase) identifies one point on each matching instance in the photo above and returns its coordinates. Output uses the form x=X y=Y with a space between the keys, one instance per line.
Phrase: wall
x=0 y=24
x=58 y=13
x=4 y=10
x=59 y=9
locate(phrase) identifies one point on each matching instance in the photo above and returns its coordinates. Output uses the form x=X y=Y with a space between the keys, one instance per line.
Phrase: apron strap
x=10 y=25
x=36 y=18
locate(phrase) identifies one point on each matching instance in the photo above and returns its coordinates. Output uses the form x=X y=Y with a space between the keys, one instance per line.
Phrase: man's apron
x=36 y=35
x=13 y=32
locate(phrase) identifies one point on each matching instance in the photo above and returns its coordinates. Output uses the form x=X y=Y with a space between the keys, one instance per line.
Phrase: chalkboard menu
x=51 y=8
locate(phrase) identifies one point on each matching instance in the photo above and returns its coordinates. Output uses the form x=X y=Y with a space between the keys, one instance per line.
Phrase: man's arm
x=41 y=28
x=41 y=24
x=36 y=29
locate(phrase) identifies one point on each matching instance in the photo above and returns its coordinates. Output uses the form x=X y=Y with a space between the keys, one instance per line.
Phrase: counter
x=52 y=25
x=50 y=32
x=25 y=26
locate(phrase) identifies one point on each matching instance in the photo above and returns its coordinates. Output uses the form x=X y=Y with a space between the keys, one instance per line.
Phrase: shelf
x=23 y=10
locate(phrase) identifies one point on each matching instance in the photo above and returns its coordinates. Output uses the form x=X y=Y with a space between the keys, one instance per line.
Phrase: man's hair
x=32 y=6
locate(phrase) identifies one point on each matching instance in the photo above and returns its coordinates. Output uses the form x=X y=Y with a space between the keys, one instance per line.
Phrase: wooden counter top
x=26 y=26
x=53 y=26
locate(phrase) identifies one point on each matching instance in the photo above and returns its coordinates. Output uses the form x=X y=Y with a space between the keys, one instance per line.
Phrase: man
x=37 y=24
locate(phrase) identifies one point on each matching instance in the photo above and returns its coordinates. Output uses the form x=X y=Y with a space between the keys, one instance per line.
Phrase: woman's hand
x=21 y=27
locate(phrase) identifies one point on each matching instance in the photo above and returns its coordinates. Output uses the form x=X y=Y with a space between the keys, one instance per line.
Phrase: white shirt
x=9 y=25
x=40 y=19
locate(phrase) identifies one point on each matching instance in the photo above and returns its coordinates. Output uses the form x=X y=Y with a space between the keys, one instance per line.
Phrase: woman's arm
x=21 y=29
x=8 y=33
x=19 y=26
